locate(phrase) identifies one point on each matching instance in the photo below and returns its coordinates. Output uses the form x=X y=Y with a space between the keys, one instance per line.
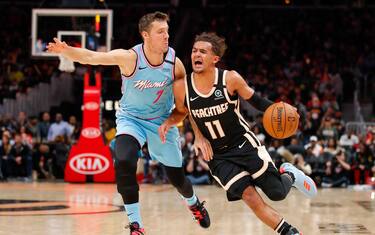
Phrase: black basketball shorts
x=237 y=168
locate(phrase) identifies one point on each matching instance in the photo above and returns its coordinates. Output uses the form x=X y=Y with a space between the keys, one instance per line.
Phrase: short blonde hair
x=145 y=22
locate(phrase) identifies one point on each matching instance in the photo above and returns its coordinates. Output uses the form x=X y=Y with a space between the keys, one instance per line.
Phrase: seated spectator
x=349 y=140
x=26 y=137
x=314 y=157
x=362 y=164
x=59 y=128
x=327 y=130
x=332 y=147
x=197 y=170
x=314 y=146
x=20 y=160
x=109 y=130
x=295 y=147
x=75 y=129
x=5 y=147
x=336 y=171
x=257 y=131
x=60 y=151
x=43 y=128
x=187 y=145
x=42 y=161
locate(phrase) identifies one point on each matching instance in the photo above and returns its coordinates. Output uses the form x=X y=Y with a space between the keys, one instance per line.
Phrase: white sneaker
x=302 y=182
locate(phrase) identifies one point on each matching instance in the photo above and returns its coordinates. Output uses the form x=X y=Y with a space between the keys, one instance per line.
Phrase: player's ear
x=216 y=59
x=145 y=35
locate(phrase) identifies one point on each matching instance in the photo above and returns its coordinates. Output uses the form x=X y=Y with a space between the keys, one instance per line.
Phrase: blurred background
x=316 y=55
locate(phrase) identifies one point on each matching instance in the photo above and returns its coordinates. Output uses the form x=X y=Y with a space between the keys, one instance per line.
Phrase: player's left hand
x=204 y=146
x=295 y=109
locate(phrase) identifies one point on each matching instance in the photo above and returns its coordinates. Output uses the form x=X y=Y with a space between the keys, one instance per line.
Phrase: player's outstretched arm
x=115 y=57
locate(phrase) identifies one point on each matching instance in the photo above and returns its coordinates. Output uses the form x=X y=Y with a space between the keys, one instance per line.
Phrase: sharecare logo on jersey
x=146 y=84
x=89 y=163
x=91 y=106
x=91 y=132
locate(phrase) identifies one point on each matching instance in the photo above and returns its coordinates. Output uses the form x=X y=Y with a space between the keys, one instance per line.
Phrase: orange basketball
x=280 y=120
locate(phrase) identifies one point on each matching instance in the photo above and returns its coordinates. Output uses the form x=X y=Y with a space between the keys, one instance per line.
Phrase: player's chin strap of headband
x=259 y=102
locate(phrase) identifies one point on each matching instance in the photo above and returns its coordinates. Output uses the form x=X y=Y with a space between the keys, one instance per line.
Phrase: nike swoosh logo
x=130 y=214
x=240 y=146
x=192 y=99
x=140 y=68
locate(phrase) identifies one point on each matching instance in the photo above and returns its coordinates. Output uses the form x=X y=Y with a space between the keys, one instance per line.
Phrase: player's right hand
x=57 y=46
x=201 y=144
x=163 y=130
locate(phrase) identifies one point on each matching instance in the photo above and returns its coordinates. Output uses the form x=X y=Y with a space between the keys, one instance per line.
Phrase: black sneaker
x=200 y=214
x=293 y=231
x=135 y=229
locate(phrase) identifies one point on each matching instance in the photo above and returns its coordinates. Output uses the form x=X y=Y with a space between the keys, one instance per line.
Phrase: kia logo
x=89 y=163
x=91 y=106
x=91 y=132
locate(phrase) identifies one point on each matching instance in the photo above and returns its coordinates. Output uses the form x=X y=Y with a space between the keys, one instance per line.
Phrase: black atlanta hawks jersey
x=217 y=115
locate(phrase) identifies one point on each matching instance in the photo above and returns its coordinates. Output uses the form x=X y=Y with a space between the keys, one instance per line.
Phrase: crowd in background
x=310 y=58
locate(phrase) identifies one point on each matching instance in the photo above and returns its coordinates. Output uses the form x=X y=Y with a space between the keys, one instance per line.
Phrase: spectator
x=349 y=140
x=362 y=164
x=22 y=120
x=332 y=147
x=295 y=147
x=109 y=130
x=60 y=152
x=257 y=131
x=327 y=130
x=314 y=146
x=43 y=128
x=59 y=128
x=42 y=163
x=197 y=170
x=336 y=171
x=5 y=147
x=75 y=129
x=20 y=159
x=187 y=145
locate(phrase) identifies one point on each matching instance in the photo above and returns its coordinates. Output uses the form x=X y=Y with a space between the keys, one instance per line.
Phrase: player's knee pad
x=271 y=185
x=276 y=194
x=126 y=152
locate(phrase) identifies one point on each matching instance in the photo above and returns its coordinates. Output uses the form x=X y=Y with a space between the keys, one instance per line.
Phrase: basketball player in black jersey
x=239 y=162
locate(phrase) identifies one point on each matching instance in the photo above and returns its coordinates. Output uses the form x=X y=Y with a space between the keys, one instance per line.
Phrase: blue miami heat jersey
x=148 y=93
x=147 y=100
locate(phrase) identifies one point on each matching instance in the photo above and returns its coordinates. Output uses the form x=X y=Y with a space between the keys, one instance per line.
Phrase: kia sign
x=91 y=132
x=89 y=163
x=90 y=159
x=91 y=106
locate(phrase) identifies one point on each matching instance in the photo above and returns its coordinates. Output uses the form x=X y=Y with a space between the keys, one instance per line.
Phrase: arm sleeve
x=259 y=102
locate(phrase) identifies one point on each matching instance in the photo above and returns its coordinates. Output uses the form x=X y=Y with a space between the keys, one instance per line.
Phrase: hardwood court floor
x=94 y=209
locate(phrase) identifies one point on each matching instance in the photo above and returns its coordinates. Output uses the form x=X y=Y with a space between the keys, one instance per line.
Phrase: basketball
x=280 y=120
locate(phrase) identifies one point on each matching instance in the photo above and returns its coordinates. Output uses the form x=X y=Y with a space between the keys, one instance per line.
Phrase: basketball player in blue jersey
x=239 y=162
x=148 y=71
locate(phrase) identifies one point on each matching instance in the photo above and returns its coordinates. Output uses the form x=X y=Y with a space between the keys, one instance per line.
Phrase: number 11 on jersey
x=210 y=126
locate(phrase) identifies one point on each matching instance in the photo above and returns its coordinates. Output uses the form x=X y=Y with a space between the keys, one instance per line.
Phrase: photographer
x=197 y=170
x=336 y=172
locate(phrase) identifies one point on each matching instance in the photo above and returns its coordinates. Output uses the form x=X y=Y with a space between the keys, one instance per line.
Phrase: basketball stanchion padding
x=90 y=159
